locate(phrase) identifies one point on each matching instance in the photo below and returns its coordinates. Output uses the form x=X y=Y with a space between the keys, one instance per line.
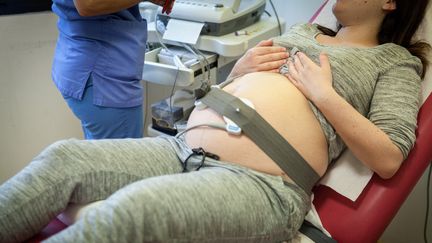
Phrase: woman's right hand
x=264 y=57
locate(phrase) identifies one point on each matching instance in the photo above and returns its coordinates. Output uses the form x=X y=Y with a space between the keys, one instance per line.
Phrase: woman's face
x=349 y=12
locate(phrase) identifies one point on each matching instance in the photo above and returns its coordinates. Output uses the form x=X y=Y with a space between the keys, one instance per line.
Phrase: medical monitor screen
x=24 y=6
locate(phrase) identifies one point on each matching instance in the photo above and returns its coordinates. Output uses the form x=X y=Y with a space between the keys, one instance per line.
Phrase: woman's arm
x=99 y=7
x=368 y=142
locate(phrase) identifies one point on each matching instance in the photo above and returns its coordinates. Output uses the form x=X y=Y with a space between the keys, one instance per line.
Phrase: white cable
x=227 y=81
x=213 y=125
x=160 y=29
x=146 y=100
x=205 y=60
x=189 y=48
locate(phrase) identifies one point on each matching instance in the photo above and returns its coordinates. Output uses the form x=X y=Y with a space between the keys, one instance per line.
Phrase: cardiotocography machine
x=195 y=46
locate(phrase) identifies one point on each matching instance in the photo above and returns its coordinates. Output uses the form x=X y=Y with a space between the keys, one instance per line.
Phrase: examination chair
x=365 y=219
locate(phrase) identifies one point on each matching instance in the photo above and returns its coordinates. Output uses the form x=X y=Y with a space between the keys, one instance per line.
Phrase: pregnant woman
x=212 y=186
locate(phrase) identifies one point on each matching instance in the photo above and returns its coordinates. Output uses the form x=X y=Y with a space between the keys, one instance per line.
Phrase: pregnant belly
x=282 y=105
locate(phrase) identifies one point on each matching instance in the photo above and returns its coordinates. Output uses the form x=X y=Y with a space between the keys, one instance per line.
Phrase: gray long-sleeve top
x=382 y=83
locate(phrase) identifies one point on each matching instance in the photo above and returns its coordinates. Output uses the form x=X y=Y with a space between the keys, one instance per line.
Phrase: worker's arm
x=99 y=7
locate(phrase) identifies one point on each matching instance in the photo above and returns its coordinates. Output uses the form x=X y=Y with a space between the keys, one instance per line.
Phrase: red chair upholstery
x=52 y=228
x=365 y=220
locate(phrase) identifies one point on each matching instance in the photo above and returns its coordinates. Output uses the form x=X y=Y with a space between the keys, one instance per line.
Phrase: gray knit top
x=382 y=83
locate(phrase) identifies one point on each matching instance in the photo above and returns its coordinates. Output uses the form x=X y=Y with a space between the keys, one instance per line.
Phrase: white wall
x=33 y=114
x=295 y=11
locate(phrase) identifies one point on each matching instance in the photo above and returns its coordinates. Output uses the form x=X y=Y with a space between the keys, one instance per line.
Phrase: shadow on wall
x=23 y=6
x=33 y=114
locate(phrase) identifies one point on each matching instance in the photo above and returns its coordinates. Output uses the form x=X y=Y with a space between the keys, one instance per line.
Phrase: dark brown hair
x=399 y=27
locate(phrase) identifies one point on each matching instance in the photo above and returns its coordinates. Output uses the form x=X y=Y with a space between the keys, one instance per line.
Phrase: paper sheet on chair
x=348 y=176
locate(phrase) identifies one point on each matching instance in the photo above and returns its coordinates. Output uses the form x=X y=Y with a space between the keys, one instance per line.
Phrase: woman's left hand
x=313 y=80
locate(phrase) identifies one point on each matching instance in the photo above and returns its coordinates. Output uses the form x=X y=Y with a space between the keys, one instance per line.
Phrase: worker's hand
x=262 y=57
x=166 y=4
x=313 y=80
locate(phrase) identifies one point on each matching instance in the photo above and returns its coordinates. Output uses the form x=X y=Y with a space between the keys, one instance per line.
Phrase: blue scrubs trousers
x=100 y=122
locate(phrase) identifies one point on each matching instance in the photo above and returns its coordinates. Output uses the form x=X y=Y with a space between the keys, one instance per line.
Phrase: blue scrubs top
x=109 y=48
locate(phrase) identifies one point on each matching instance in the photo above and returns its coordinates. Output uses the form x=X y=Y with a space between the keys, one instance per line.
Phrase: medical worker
x=98 y=64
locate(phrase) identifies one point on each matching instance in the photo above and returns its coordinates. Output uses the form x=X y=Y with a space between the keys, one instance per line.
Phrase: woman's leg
x=77 y=171
x=106 y=122
x=217 y=204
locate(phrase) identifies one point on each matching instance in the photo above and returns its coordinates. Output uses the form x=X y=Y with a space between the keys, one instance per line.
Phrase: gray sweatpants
x=147 y=197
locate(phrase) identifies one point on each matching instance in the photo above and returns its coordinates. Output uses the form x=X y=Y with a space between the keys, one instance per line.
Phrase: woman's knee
x=55 y=153
x=59 y=147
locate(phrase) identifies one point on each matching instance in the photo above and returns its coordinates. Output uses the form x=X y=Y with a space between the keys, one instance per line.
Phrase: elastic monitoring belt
x=264 y=136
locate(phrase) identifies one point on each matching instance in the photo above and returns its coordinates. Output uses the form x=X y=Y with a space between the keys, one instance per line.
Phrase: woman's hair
x=399 y=27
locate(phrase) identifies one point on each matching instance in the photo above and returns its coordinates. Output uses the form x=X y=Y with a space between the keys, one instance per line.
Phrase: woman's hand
x=262 y=57
x=313 y=80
